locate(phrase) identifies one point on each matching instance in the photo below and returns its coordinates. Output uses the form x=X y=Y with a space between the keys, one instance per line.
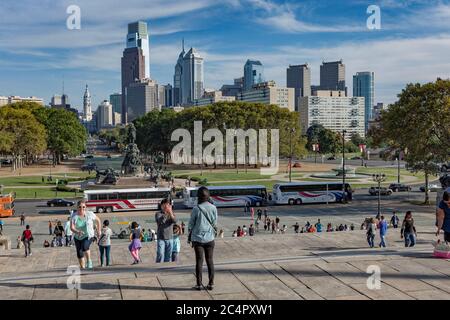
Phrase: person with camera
x=202 y=232
x=165 y=219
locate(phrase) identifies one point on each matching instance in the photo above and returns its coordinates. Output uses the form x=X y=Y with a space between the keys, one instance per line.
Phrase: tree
x=327 y=139
x=418 y=123
x=22 y=135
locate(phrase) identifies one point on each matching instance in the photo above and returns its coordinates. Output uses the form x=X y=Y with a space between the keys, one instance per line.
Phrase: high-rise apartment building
x=104 y=115
x=332 y=76
x=363 y=86
x=253 y=74
x=269 y=93
x=142 y=98
x=299 y=78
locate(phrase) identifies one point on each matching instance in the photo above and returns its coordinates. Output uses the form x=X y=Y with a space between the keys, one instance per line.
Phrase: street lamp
x=290 y=148
x=379 y=178
x=343 y=166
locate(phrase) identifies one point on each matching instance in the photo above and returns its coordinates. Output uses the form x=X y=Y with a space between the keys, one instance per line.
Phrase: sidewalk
x=310 y=266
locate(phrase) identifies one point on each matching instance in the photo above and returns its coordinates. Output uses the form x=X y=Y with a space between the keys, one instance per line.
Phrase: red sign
x=362 y=147
x=315 y=147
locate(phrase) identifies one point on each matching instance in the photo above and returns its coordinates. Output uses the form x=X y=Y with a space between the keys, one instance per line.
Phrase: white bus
x=310 y=192
x=110 y=200
x=229 y=196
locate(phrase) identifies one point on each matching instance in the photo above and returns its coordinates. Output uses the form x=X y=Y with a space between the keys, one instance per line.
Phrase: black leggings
x=206 y=249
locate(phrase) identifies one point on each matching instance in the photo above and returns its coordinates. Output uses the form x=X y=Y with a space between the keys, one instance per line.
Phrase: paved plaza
x=279 y=266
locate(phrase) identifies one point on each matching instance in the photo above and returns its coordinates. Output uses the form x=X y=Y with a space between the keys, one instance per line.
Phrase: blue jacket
x=202 y=231
x=383 y=227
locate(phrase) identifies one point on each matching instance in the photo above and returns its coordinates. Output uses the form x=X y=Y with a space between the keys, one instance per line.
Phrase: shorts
x=82 y=246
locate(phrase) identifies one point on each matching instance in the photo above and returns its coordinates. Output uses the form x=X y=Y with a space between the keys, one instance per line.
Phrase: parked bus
x=125 y=199
x=229 y=196
x=310 y=192
x=7 y=205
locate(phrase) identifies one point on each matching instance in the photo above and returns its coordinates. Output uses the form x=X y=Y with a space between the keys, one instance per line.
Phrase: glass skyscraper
x=363 y=86
x=138 y=37
x=253 y=74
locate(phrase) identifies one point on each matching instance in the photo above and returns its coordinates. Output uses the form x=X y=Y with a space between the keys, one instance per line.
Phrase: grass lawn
x=37 y=180
x=37 y=193
x=229 y=175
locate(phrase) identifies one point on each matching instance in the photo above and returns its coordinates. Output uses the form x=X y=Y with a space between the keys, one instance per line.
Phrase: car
x=6 y=161
x=60 y=203
x=331 y=158
x=89 y=167
x=89 y=156
x=445 y=167
x=297 y=165
x=373 y=191
x=433 y=187
x=356 y=158
x=396 y=187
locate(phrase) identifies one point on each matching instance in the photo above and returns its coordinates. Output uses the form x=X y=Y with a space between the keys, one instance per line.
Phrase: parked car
x=356 y=158
x=396 y=187
x=60 y=203
x=6 y=161
x=89 y=167
x=373 y=191
x=297 y=165
x=89 y=156
x=433 y=187
x=331 y=158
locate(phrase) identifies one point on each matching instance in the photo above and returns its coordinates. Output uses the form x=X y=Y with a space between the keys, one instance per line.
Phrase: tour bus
x=125 y=199
x=229 y=196
x=310 y=192
x=7 y=205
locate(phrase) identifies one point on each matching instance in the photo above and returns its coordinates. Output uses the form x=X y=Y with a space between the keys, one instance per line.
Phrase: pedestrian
x=19 y=242
x=394 y=220
x=257 y=225
x=371 y=230
x=82 y=225
x=352 y=227
x=234 y=235
x=22 y=219
x=251 y=230
x=104 y=244
x=183 y=226
x=135 y=244
x=244 y=230
x=176 y=243
x=165 y=219
x=221 y=233
x=277 y=222
x=383 y=226
x=283 y=230
x=68 y=232
x=408 y=230
x=265 y=213
x=318 y=226
x=259 y=213
x=50 y=228
x=202 y=228
x=296 y=227
x=443 y=217
x=1 y=225
x=265 y=225
x=59 y=232
x=27 y=238
x=239 y=232
x=274 y=227
x=46 y=244
x=307 y=225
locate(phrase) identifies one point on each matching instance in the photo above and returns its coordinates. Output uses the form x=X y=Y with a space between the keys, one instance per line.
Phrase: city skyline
x=280 y=33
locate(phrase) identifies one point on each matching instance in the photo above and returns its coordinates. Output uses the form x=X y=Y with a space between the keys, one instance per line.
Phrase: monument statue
x=108 y=176
x=131 y=164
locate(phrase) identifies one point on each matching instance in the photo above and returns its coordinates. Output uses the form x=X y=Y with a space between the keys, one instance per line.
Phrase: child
x=135 y=244
x=176 y=242
x=104 y=244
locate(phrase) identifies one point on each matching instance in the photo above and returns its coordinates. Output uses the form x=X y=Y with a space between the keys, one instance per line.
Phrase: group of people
x=62 y=234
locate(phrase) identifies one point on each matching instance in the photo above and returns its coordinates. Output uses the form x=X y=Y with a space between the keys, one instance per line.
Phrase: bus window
x=131 y=196
x=102 y=197
x=113 y=196
x=93 y=197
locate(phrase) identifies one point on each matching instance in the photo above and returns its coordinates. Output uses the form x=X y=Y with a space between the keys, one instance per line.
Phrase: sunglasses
x=81 y=207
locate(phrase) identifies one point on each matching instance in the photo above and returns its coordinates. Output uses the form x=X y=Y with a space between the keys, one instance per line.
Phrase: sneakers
x=210 y=287
x=30 y=254
x=89 y=264
x=198 y=288
x=135 y=262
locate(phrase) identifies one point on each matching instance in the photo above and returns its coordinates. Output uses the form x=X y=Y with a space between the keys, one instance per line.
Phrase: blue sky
x=37 y=51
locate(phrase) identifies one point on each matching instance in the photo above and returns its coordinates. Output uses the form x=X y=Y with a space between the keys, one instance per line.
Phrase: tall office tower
x=138 y=37
x=168 y=93
x=133 y=64
x=192 y=84
x=56 y=101
x=332 y=76
x=116 y=101
x=142 y=98
x=177 y=79
x=299 y=78
x=87 y=105
x=253 y=74
x=363 y=86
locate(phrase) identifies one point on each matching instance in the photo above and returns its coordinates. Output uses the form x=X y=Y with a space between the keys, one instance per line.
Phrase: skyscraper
x=177 y=79
x=299 y=78
x=116 y=101
x=87 y=105
x=363 y=86
x=168 y=93
x=104 y=115
x=142 y=98
x=253 y=74
x=332 y=76
x=138 y=37
x=135 y=60
x=192 y=84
